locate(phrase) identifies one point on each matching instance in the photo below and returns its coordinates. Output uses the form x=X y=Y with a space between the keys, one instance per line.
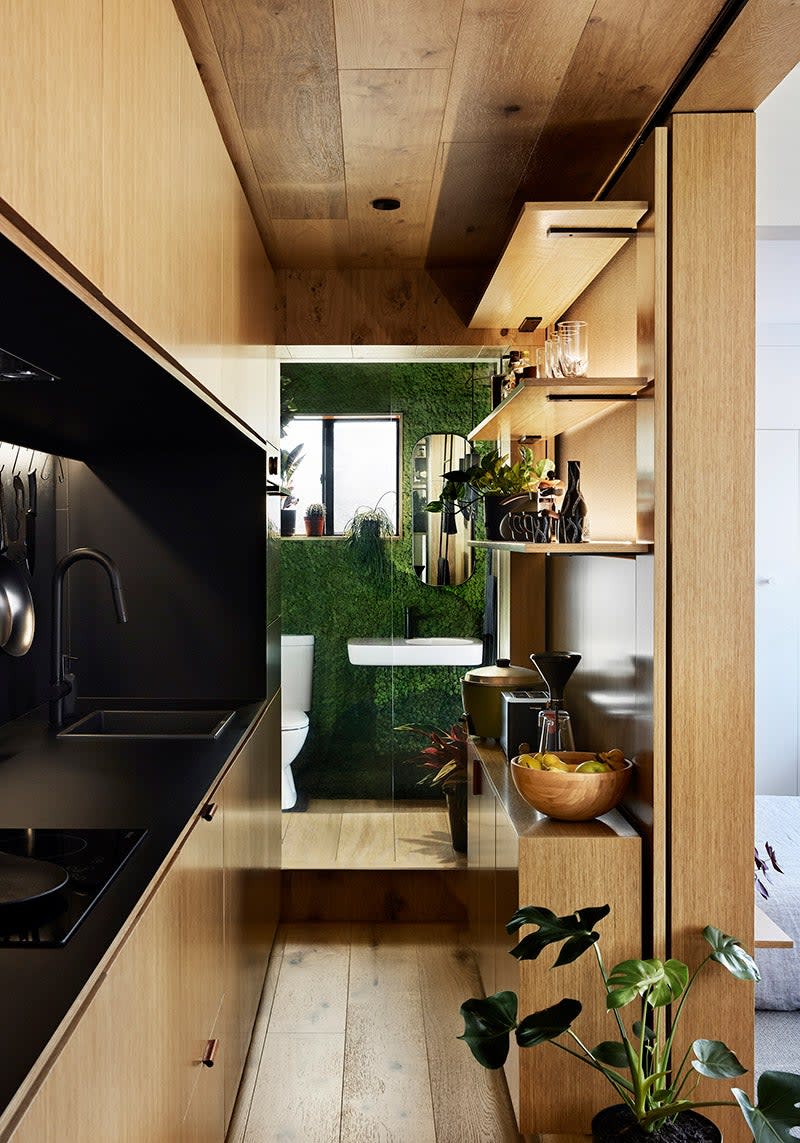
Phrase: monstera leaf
x=542 y=1026
x=729 y=953
x=575 y=930
x=661 y=981
x=776 y=1112
x=715 y=1060
x=488 y=1025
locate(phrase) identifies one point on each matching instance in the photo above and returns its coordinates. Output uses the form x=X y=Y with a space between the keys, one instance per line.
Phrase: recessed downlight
x=385 y=204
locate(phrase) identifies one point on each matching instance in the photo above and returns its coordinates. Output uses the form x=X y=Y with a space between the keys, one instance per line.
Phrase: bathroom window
x=348 y=464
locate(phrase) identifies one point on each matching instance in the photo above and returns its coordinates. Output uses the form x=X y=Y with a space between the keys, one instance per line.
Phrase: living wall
x=353 y=750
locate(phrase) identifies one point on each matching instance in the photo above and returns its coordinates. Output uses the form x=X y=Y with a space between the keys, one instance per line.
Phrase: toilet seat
x=294 y=720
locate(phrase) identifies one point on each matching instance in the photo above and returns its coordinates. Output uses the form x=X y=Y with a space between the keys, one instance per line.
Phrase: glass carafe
x=555 y=731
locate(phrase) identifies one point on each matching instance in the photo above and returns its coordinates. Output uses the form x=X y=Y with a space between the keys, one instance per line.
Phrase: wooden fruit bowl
x=569 y=796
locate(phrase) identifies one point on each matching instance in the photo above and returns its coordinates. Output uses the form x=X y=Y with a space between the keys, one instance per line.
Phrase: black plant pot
x=288 y=521
x=457 y=812
x=617 y=1125
x=494 y=509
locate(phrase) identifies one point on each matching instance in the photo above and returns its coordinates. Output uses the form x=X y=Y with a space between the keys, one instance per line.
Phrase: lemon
x=532 y=761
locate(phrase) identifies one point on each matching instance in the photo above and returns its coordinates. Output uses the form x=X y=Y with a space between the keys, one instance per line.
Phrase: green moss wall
x=352 y=750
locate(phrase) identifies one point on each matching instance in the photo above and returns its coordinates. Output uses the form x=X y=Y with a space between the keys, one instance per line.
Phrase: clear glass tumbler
x=573 y=348
x=555 y=731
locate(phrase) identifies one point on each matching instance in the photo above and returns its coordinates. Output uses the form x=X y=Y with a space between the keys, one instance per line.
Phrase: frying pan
x=26 y=878
x=16 y=603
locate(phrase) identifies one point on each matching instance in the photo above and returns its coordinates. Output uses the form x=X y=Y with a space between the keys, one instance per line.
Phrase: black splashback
x=188 y=533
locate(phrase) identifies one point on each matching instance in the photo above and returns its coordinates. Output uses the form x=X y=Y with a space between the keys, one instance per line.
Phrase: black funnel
x=556 y=669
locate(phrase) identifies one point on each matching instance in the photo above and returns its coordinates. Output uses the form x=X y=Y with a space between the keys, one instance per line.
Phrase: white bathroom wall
x=777 y=487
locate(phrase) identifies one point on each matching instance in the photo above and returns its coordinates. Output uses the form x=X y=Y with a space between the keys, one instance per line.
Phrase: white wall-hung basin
x=435 y=652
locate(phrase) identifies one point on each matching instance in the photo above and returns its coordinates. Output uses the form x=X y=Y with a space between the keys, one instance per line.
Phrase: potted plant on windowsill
x=290 y=458
x=366 y=534
x=494 y=479
x=314 y=519
x=655 y=1092
x=445 y=757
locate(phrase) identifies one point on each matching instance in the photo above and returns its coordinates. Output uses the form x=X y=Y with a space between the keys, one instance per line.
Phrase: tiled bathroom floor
x=369 y=835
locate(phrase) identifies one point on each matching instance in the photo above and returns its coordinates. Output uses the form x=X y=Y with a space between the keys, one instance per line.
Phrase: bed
x=778 y=822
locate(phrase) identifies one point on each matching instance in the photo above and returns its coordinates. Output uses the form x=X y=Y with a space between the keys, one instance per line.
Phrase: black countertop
x=48 y=783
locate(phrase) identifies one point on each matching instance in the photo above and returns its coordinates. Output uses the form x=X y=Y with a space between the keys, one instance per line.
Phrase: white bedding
x=778 y=822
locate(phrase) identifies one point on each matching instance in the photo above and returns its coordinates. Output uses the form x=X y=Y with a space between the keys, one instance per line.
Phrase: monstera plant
x=654 y=1089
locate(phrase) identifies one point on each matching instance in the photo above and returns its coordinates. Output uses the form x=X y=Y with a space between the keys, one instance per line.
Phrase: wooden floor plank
x=366 y=841
x=470 y=1103
x=311 y=841
x=299 y=1092
x=386 y=1091
x=311 y=993
x=422 y=840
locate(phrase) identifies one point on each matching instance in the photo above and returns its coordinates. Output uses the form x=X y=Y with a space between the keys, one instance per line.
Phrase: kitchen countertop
x=48 y=783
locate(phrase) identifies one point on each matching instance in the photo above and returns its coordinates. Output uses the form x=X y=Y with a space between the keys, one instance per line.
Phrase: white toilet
x=297 y=665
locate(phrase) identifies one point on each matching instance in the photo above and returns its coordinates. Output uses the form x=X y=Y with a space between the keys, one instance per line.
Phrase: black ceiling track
x=721 y=24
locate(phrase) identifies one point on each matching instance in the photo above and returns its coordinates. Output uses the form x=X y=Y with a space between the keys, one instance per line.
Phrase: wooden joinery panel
x=51 y=124
x=251 y=792
x=712 y=563
x=367 y=36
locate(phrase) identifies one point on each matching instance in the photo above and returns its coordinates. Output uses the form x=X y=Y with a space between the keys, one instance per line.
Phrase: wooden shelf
x=769 y=935
x=541 y=273
x=590 y=548
x=546 y=407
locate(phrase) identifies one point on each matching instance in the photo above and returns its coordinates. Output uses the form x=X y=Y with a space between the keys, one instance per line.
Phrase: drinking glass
x=552 y=366
x=573 y=348
x=555 y=731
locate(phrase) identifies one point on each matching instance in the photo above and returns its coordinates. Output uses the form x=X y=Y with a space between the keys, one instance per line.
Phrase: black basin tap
x=60 y=687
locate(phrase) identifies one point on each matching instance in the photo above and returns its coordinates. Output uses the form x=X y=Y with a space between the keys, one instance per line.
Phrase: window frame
x=329 y=421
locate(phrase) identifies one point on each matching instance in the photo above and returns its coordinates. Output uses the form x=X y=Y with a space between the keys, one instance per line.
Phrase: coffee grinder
x=555 y=728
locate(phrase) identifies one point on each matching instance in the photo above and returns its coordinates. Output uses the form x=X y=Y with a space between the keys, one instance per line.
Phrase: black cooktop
x=91 y=859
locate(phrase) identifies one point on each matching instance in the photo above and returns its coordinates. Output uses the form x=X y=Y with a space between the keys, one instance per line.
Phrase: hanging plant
x=366 y=534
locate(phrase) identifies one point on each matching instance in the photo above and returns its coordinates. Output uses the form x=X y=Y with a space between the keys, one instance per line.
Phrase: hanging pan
x=16 y=603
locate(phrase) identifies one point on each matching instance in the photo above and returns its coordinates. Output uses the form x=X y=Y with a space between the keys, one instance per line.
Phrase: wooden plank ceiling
x=461 y=109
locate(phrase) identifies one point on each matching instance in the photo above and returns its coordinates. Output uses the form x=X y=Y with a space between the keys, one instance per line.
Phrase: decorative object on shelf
x=639 y=1065
x=366 y=534
x=573 y=522
x=290 y=459
x=564 y=793
x=572 y=348
x=314 y=519
x=446 y=757
x=493 y=476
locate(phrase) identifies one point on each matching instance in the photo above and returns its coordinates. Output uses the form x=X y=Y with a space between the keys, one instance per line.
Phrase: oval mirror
x=442 y=556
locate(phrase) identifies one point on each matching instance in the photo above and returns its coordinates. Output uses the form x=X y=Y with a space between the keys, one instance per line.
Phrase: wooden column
x=711 y=570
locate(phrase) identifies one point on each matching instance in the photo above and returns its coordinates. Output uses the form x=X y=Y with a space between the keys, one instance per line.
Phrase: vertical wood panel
x=712 y=324
x=51 y=123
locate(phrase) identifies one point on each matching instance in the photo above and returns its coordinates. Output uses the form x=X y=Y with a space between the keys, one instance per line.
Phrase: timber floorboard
x=363 y=834
x=355 y=1042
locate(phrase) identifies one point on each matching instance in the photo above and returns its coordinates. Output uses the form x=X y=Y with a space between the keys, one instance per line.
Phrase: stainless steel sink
x=149 y=724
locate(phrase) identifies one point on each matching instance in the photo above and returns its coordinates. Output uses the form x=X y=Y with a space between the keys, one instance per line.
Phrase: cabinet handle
x=477 y=777
x=210 y=1052
x=208 y=811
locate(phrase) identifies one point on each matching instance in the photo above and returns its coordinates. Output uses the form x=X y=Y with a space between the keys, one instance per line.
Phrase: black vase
x=573 y=524
x=617 y=1125
x=494 y=508
x=288 y=521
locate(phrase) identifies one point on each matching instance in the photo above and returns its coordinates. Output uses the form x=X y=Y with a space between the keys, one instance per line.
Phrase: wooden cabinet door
x=194 y=884
x=204 y=1121
x=252 y=835
x=132 y=1065
x=51 y=123
x=114 y=1077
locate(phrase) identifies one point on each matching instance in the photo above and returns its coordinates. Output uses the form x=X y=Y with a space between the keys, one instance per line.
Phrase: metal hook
x=60 y=470
x=42 y=476
x=16 y=461
x=31 y=466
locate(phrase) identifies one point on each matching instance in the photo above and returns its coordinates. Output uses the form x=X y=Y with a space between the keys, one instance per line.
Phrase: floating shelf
x=590 y=548
x=545 y=407
x=555 y=250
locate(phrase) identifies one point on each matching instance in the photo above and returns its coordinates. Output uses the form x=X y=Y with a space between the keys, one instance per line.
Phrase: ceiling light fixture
x=385 y=204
